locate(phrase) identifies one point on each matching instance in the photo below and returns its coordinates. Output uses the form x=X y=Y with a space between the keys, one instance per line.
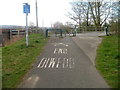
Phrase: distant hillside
x=10 y=26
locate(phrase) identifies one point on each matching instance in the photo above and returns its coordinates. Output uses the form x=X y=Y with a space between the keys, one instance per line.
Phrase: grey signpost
x=26 y=10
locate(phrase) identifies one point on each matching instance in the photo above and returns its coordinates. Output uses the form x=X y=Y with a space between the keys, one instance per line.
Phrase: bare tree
x=31 y=26
x=115 y=17
x=80 y=13
x=84 y=11
x=68 y=27
x=57 y=25
x=76 y=13
x=100 y=12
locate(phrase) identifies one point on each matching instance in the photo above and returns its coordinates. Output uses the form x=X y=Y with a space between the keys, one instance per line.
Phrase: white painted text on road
x=56 y=63
x=60 y=51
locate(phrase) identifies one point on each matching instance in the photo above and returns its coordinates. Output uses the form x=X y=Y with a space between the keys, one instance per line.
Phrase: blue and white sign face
x=26 y=8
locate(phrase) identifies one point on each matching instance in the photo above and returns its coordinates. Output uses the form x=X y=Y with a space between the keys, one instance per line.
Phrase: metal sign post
x=26 y=9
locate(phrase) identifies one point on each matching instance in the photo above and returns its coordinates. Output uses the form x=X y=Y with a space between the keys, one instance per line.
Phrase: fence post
x=10 y=33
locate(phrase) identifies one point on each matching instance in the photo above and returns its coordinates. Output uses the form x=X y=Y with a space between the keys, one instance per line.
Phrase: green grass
x=107 y=60
x=17 y=59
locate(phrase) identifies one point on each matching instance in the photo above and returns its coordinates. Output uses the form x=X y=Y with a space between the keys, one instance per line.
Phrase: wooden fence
x=10 y=34
x=89 y=28
x=7 y=36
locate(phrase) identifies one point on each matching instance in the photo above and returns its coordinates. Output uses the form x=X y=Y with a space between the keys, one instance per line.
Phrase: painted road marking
x=52 y=62
x=63 y=62
x=72 y=61
x=60 y=51
x=32 y=80
x=56 y=63
x=40 y=62
x=47 y=62
x=65 y=51
x=55 y=44
x=55 y=50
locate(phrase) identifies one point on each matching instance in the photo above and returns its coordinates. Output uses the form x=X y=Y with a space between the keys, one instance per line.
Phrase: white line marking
x=70 y=63
x=35 y=81
x=73 y=62
x=47 y=62
x=60 y=50
x=64 y=63
x=67 y=62
x=55 y=50
x=55 y=44
x=29 y=79
x=43 y=63
x=58 y=62
x=64 y=51
x=40 y=62
x=52 y=62
x=66 y=45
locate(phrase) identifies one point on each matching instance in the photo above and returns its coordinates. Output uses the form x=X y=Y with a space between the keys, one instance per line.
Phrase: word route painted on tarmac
x=56 y=63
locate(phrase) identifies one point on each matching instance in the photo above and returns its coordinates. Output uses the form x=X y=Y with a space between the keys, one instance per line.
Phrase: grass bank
x=17 y=59
x=107 y=60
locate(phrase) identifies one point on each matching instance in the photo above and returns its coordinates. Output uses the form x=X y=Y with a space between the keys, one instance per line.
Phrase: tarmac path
x=63 y=64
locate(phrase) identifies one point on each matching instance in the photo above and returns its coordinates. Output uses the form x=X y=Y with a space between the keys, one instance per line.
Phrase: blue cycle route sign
x=26 y=8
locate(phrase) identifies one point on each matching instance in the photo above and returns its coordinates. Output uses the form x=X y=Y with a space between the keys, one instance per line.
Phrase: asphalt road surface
x=63 y=65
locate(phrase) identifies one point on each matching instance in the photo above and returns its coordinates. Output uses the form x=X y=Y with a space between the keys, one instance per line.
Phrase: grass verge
x=17 y=59
x=107 y=60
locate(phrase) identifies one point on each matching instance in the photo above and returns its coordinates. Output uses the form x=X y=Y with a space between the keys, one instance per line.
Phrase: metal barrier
x=55 y=30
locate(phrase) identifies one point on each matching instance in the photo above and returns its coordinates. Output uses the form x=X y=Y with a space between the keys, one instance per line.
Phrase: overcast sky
x=49 y=11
